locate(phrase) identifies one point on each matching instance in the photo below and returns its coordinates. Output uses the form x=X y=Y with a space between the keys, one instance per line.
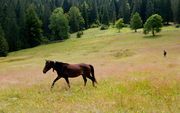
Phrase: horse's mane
x=60 y=62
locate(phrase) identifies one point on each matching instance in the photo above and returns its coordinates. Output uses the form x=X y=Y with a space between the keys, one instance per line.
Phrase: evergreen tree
x=66 y=6
x=14 y=41
x=84 y=13
x=162 y=9
x=114 y=18
x=143 y=10
x=105 y=18
x=113 y=11
x=169 y=12
x=32 y=28
x=3 y=44
x=94 y=12
x=127 y=14
x=59 y=26
x=136 y=21
x=178 y=12
x=136 y=7
x=46 y=22
x=149 y=9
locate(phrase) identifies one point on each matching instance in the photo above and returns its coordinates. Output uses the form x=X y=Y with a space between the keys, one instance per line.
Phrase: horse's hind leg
x=93 y=80
x=85 y=80
x=54 y=82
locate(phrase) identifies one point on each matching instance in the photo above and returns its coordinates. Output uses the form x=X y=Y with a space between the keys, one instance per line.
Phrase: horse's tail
x=92 y=72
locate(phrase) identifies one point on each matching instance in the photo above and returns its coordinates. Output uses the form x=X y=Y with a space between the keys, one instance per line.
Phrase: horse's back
x=78 y=69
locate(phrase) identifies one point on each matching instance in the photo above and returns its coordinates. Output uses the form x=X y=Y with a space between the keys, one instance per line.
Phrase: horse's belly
x=75 y=74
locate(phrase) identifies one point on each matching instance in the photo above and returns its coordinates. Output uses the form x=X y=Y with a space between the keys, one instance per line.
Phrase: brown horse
x=66 y=70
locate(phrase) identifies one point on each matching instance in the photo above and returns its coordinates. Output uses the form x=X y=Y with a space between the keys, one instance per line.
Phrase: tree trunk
x=153 y=32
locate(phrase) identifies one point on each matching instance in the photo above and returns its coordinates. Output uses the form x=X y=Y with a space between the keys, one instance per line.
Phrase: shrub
x=79 y=34
x=104 y=27
x=94 y=26
x=177 y=25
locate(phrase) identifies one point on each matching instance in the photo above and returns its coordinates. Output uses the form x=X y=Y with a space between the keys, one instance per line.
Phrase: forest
x=28 y=23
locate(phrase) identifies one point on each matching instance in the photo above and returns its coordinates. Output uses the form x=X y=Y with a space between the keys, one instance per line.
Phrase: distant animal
x=165 y=53
x=65 y=70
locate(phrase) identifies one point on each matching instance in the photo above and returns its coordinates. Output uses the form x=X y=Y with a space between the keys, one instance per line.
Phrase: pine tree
x=46 y=22
x=105 y=17
x=94 y=12
x=66 y=6
x=162 y=9
x=14 y=41
x=32 y=28
x=136 y=21
x=149 y=9
x=3 y=44
x=84 y=13
x=143 y=10
x=136 y=7
x=178 y=12
x=169 y=12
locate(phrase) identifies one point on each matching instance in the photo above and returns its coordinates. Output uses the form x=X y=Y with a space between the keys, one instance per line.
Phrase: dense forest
x=28 y=23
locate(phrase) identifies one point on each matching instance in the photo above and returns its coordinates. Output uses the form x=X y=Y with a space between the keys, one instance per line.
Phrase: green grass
x=132 y=75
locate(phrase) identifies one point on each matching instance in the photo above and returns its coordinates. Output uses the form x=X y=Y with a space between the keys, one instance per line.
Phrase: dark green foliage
x=177 y=25
x=3 y=44
x=32 y=28
x=66 y=6
x=76 y=20
x=136 y=21
x=105 y=17
x=59 y=26
x=168 y=12
x=93 y=14
x=149 y=9
x=85 y=14
x=136 y=7
x=79 y=34
x=178 y=13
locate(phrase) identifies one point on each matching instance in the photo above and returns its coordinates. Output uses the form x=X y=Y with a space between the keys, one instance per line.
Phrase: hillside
x=132 y=75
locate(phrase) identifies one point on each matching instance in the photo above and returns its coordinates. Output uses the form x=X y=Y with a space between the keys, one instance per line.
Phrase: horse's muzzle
x=44 y=72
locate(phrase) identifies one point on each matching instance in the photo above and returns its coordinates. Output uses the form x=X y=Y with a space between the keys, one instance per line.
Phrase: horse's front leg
x=67 y=80
x=54 y=82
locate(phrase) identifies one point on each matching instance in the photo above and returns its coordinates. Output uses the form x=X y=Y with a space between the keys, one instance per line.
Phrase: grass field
x=132 y=75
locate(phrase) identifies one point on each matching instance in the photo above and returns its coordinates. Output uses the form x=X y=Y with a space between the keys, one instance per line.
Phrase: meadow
x=132 y=75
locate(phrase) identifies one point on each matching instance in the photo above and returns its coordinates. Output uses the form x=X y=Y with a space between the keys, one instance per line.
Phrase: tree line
x=28 y=23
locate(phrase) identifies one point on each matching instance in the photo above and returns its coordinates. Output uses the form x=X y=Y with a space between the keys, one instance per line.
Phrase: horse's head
x=47 y=66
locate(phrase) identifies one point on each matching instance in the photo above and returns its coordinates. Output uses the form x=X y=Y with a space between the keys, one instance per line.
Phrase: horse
x=65 y=70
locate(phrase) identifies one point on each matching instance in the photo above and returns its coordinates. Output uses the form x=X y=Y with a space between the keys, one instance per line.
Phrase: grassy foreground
x=132 y=76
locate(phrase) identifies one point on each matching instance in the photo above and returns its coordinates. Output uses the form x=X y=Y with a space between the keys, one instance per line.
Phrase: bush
x=104 y=27
x=177 y=25
x=79 y=34
x=45 y=40
x=94 y=25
